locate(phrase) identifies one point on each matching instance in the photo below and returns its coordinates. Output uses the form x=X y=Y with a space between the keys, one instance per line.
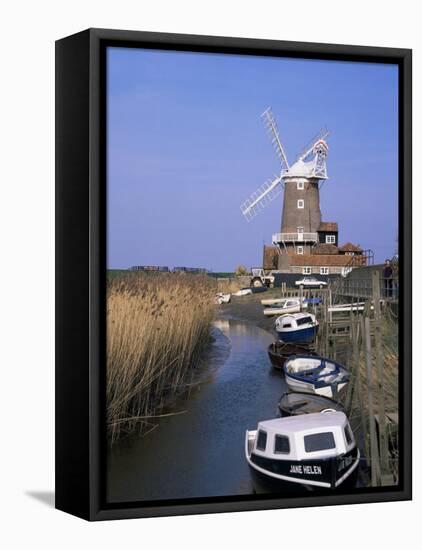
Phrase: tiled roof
x=325 y=248
x=350 y=247
x=323 y=260
x=328 y=226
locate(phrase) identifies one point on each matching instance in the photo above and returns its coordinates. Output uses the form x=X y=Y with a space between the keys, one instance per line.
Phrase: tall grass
x=157 y=327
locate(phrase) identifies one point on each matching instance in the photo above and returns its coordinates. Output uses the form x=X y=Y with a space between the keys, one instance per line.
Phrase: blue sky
x=186 y=146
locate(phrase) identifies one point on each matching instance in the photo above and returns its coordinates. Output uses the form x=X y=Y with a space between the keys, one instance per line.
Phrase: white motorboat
x=313 y=450
x=297 y=327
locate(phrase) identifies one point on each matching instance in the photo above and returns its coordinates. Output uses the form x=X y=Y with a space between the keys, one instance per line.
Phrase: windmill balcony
x=295 y=237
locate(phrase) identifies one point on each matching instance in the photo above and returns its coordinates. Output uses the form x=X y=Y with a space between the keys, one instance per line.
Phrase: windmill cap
x=300 y=169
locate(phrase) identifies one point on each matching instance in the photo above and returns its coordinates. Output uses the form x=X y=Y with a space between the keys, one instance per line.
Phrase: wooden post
x=327 y=326
x=375 y=467
x=358 y=391
x=380 y=373
x=330 y=303
x=353 y=372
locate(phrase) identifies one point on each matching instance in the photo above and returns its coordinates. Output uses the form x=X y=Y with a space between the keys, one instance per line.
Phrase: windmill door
x=300 y=233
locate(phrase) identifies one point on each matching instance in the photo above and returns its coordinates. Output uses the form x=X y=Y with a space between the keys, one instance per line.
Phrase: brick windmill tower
x=301 y=225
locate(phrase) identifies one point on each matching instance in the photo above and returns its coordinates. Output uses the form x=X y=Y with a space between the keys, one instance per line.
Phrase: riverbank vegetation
x=157 y=328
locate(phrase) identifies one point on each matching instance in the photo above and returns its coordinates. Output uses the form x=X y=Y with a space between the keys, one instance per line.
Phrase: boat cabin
x=326 y=434
x=295 y=321
x=313 y=450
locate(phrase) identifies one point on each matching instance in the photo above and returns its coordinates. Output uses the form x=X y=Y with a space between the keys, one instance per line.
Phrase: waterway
x=200 y=452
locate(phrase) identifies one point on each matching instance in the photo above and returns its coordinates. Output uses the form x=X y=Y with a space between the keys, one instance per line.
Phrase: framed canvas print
x=233 y=308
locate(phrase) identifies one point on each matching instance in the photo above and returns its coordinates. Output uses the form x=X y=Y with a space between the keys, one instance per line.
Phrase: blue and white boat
x=315 y=375
x=297 y=327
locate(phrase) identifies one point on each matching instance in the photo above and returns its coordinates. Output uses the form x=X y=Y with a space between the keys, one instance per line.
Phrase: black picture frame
x=80 y=268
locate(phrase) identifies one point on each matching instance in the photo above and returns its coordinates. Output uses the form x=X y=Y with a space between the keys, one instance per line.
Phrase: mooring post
x=326 y=326
x=330 y=303
x=351 y=389
x=380 y=374
x=356 y=355
x=375 y=466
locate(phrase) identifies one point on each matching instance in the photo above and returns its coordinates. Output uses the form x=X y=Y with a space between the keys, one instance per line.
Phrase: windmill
x=301 y=216
x=315 y=168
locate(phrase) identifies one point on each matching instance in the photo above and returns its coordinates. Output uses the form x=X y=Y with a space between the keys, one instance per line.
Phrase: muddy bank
x=249 y=309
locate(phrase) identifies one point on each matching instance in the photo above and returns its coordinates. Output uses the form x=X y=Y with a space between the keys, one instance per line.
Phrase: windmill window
x=330 y=239
x=306 y=271
x=301 y=185
x=324 y=271
x=301 y=203
x=300 y=249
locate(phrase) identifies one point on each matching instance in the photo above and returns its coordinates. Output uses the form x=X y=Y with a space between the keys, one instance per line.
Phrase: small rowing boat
x=315 y=375
x=243 y=292
x=221 y=298
x=279 y=352
x=282 y=307
x=294 y=403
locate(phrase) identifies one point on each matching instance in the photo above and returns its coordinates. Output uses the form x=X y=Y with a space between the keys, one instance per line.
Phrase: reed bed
x=157 y=328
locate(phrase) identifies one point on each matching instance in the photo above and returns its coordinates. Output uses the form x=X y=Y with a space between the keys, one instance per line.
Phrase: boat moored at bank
x=282 y=307
x=315 y=375
x=297 y=327
x=221 y=298
x=279 y=352
x=295 y=403
x=312 y=450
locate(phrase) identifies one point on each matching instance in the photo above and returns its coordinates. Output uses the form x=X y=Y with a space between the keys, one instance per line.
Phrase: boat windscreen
x=281 y=444
x=261 y=441
x=319 y=442
x=303 y=321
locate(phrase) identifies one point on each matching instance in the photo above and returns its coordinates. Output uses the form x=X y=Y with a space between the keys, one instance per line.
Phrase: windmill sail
x=272 y=129
x=313 y=168
x=261 y=197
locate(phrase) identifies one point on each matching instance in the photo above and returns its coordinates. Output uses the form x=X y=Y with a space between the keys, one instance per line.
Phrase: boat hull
x=329 y=390
x=270 y=311
x=292 y=476
x=279 y=352
x=299 y=336
x=296 y=403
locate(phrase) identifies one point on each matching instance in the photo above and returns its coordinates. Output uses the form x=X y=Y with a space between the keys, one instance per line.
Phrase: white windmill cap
x=301 y=169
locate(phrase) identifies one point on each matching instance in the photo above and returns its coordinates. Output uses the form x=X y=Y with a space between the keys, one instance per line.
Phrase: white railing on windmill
x=315 y=168
x=319 y=148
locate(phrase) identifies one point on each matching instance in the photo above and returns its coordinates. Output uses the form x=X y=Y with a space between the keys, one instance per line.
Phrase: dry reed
x=157 y=328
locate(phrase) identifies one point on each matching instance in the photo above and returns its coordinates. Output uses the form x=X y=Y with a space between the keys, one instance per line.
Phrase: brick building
x=306 y=244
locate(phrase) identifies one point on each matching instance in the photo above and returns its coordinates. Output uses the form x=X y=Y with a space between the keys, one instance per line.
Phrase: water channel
x=200 y=453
